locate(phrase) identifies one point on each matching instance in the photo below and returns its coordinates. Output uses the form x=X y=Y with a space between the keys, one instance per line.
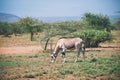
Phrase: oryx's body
x=68 y=43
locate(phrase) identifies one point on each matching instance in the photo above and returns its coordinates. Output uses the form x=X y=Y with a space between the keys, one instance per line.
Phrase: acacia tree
x=53 y=30
x=93 y=38
x=48 y=33
x=98 y=21
x=6 y=29
x=30 y=24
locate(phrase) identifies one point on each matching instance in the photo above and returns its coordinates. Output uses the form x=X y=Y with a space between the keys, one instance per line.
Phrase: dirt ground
x=19 y=50
x=30 y=50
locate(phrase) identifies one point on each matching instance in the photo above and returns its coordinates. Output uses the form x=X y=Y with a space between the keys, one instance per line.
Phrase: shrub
x=6 y=29
x=93 y=37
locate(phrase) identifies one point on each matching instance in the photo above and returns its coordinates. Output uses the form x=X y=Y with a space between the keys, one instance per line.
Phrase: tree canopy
x=98 y=21
x=30 y=25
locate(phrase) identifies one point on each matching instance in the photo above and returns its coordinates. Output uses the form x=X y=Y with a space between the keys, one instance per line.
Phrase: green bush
x=98 y=21
x=6 y=29
x=93 y=37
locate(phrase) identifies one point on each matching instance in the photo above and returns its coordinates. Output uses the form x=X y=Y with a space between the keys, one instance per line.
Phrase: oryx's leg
x=83 y=52
x=77 y=56
x=78 y=53
x=63 y=55
x=83 y=55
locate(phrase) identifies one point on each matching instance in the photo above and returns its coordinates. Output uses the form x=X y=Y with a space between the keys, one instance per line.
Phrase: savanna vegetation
x=89 y=23
x=97 y=31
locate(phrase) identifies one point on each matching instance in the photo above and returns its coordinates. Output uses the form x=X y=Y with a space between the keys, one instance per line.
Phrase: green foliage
x=6 y=28
x=99 y=22
x=93 y=37
x=69 y=26
x=30 y=25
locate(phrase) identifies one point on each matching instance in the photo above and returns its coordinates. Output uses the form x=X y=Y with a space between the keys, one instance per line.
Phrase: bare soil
x=19 y=50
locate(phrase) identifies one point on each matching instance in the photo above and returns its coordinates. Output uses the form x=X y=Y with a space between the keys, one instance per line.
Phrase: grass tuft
x=29 y=75
x=93 y=60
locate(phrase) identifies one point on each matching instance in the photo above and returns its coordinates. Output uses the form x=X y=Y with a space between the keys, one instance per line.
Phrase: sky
x=58 y=8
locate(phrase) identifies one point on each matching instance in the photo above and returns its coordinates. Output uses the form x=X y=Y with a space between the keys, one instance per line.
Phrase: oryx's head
x=53 y=57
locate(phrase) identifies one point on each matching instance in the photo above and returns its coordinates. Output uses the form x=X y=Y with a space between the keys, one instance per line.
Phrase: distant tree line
x=48 y=30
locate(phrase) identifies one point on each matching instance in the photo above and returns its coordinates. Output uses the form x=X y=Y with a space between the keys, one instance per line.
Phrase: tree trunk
x=51 y=46
x=32 y=36
x=46 y=43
